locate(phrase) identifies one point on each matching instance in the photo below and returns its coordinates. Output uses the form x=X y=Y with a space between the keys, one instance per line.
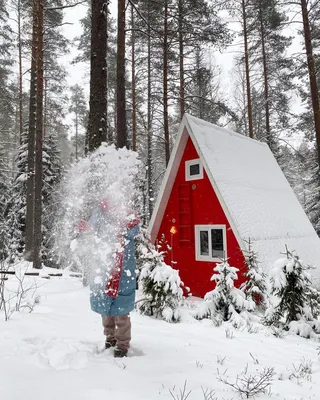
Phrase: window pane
x=194 y=169
x=217 y=243
x=204 y=243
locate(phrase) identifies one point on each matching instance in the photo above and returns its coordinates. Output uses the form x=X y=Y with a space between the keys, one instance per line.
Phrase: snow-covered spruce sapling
x=297 y=302
x=254 y=287
x=225 y=302
x=159 y=283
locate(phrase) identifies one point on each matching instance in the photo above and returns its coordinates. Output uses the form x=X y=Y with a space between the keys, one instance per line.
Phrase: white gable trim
x=169 y=179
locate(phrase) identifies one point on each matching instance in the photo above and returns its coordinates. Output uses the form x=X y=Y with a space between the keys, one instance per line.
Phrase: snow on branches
x=296 y=306
x=254 y=287
x=159 y=283
x=225 y=302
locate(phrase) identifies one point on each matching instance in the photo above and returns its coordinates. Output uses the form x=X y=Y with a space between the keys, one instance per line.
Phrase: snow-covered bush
x=254 y=287
x=296 y=306
x=159 y=283
x=225 y=302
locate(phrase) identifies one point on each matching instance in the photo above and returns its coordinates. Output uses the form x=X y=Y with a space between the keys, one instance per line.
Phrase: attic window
x=194 y=170
x=211 y=242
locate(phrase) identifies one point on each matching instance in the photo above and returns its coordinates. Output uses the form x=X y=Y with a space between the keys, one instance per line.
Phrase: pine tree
x=78 y=108
x=97 y=122
x=296 y=299
x=7 y=89
x=51 y=179
x=83 y=47
x=225 y=302
x=16 y=208
x=203 y=98
x=160 y=284
x=198 y=24
x=55 y=73
x=271 y=68
x=254 y=287
x=307 y=12
x=4 y=195
x=313 y=198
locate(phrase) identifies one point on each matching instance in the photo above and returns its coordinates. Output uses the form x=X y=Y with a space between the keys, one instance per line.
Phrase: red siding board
x=195 y=203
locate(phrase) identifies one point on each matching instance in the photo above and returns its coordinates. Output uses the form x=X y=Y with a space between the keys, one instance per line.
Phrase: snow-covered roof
x=252 y=189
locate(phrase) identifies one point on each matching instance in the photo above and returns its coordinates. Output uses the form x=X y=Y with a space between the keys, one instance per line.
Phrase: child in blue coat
x=113 y=297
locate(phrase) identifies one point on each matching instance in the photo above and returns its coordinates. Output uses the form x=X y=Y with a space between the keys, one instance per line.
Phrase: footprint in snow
x=63 y=354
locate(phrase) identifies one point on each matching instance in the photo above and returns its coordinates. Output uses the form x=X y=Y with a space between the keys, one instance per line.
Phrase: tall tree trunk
x=312 y=74
x=133 y=84
x=165 y=83
x=244 y=101
x=20 y=69
x=39 y=140
x=122 y=140
x=16 y=139
x=181 y=60
x=45 y=107
x=246 y=60
x=31 y=139
x=266 y=81
x=77 y=133
x=149 y=121
x=109 y=131
x=199 y=83
x=97 y=124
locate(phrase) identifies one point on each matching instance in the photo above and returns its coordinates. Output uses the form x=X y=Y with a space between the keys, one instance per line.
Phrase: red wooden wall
x=195 y=203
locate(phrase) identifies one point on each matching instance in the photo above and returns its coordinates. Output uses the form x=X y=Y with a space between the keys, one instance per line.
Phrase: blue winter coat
x=124 y=302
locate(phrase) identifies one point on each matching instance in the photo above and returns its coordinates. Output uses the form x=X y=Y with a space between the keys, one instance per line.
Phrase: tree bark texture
x=97 y=124
x=149 y=122
x=181 y=60
x=37 y=262
x=133 y=85
x=31 y=140
x=312 y=74
x=109 y=131
x=246 y=60
x=77 y=133
x=20 y=69
x=165 y=84
x=45 y=106
x=122 y=139
x=266 y=81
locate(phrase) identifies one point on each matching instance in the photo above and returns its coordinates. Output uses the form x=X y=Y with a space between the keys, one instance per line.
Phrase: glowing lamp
x=173 y=230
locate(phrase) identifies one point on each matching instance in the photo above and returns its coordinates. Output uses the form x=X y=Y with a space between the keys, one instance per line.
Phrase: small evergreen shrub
x=254 y=287
x=296 y=306
x=159 y=283
x=225 y=302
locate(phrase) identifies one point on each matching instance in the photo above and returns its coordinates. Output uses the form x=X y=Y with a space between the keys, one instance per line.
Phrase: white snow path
x=56 y=353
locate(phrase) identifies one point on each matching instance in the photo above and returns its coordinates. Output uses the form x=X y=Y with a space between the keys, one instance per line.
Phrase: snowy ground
x=56 y=352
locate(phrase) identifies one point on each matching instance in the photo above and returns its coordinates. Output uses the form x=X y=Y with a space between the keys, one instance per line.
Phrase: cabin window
x=211 y=243
x=194 y=170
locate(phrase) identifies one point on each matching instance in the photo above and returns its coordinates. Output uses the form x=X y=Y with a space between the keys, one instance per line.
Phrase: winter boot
x=120 y=353
x=110 y=343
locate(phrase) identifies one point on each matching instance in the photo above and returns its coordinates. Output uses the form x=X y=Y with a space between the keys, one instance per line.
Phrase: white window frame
x=199 y=256
x=194 y=177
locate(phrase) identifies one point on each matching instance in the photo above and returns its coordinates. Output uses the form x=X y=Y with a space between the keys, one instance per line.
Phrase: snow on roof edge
x=201 y=122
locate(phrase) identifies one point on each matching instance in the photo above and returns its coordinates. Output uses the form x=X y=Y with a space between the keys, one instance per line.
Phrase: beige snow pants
x=118 y=329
